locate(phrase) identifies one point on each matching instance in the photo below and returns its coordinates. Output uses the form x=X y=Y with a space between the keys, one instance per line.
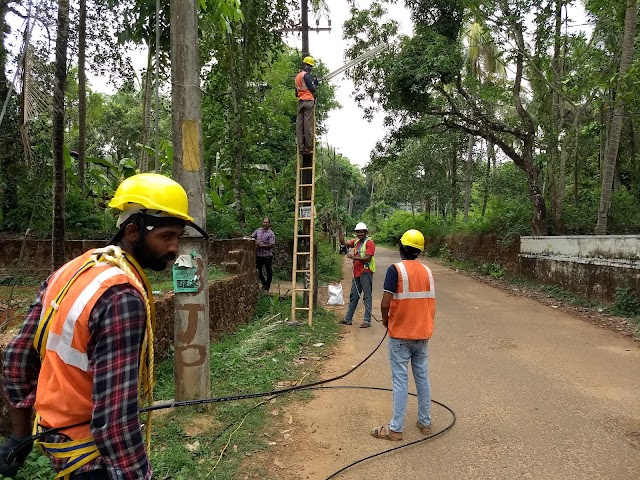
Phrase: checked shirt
x=116 y=325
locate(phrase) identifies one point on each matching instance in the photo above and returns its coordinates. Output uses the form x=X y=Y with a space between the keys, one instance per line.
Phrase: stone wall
x=35 y=255
x=589 y=265
x=231 y=300
x=482 y=249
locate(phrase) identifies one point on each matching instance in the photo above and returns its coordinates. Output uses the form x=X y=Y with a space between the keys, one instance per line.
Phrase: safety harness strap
x=42 y=333
x=76 y=452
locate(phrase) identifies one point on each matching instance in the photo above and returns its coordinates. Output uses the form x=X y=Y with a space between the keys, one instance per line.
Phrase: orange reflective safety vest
x=303 y=91
x=65 y=383
x=413 y=306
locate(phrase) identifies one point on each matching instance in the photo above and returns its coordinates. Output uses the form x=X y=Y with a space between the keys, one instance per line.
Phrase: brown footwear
x=386 y=433
x=424 y=429
x=365 y=325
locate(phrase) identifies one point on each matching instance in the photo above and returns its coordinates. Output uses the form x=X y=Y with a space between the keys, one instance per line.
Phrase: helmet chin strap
x=204 y=234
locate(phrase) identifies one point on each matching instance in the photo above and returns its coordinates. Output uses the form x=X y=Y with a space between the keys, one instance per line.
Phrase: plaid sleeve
x=21 y=362
x=117 y=326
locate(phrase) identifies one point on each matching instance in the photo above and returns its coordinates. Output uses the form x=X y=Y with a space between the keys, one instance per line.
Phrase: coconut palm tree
x=626 y=55
x=59 y=181
x=483 y=65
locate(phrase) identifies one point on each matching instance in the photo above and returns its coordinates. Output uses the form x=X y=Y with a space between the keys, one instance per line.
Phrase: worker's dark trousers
x=304 y=126
x=266 y=263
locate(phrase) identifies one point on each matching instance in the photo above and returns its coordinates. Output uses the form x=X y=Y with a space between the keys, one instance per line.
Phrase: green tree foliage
x=551 y=114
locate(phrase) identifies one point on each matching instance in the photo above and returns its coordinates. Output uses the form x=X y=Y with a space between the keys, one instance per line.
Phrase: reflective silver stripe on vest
x=61 y=344
x=402 y=270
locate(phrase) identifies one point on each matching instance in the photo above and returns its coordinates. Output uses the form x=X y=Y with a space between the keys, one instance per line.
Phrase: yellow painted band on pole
x=191 y=145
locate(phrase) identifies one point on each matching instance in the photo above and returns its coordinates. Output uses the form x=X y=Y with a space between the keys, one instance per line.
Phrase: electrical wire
x=274 y=394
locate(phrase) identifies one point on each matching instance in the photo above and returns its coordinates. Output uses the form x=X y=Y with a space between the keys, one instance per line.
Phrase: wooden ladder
x=303 y=232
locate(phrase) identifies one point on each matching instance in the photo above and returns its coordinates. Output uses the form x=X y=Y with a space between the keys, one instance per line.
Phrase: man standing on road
x=84 y=351
x=305 y=89
x=265 y=240
x=408 y=310
x=363 y=267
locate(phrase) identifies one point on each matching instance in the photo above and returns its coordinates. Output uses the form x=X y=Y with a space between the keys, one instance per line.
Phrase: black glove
x=315 y=80
x=13 y=453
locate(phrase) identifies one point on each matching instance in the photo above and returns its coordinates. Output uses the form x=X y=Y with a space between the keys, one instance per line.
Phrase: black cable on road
x=247 y=396
x=274 y=394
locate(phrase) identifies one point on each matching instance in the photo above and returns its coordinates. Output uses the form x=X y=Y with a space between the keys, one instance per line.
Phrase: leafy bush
x=580 y=219
x=85 y=220
x=329 y=263
x=505 y=218
x=494 y=270
x=222 y=223
x=375 y=215
x=626 y=302
x=624 y=216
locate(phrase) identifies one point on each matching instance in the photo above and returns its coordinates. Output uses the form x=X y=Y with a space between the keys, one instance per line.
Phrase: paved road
x=538 y=394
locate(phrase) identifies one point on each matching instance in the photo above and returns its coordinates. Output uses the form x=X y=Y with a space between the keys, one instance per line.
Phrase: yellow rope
x=114 y=256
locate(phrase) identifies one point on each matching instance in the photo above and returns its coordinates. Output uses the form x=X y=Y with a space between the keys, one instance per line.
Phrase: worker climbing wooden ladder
x=303 y=241
x=303 y=233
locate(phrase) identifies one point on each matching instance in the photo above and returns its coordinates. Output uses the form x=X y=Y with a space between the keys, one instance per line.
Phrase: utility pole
x=304 y=27
x=191 y=334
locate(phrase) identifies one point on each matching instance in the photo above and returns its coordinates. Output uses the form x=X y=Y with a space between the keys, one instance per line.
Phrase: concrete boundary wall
x=619 y=247
x=591 y=265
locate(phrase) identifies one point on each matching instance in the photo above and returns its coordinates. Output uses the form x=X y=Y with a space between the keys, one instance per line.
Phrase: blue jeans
x=362 y=284
x=400 y=352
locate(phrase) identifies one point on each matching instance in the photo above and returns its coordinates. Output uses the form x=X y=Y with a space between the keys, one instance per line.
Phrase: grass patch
x=267 y=354
x=264 y=355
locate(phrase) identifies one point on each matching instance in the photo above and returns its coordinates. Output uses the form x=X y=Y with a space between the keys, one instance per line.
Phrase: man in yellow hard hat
x=305 y=90
x=85 y=349
x=408 y=309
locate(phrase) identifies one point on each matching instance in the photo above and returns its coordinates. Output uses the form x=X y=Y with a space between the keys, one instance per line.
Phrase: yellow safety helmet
x=413 y=238
x=154 y=192
x=308 y=60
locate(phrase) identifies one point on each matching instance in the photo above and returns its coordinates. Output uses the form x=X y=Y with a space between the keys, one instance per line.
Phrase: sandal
x=385 y=433
x=424 y=429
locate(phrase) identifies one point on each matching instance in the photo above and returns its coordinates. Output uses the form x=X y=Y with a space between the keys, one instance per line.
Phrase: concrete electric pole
x=191 y=374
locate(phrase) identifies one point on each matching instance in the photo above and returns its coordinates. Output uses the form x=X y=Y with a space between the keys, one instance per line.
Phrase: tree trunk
x=490 y=153
x=468 y=174
x=613 y=144
x=236 y=126
x=635 y=165
x=454 y=183
x=8 y=136
x=146 y=114
x=59 y=181
x=539 y=220
x=82 y=93
x=191 y=333
x=557 y=157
